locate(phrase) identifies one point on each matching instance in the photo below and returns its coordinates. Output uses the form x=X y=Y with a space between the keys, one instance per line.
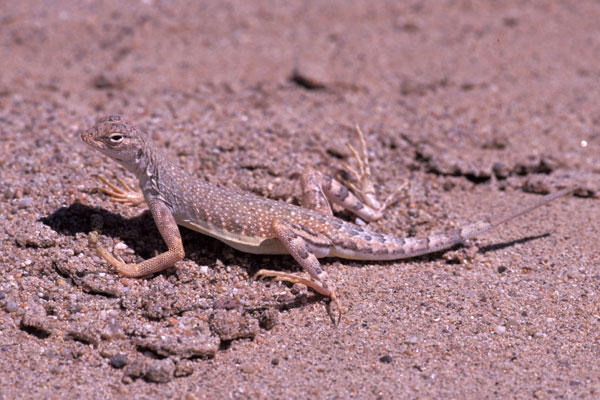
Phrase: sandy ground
x=482 y=106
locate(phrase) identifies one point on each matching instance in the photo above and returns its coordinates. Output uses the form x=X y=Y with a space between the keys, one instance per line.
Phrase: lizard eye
x=116 y=138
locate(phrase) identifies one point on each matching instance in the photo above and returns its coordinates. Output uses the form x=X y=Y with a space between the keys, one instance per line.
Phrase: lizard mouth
x=87 y=138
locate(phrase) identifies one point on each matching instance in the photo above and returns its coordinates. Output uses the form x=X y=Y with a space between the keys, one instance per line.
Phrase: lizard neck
x=161 y=179
x=148 y=166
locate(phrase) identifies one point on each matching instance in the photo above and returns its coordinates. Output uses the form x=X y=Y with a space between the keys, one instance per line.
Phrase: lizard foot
x=316 y=286
x=364 y=189
x=123 y=194
x=118 y=264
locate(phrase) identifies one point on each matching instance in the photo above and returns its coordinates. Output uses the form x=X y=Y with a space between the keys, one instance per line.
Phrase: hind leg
x=304 y=248
x=318 y=189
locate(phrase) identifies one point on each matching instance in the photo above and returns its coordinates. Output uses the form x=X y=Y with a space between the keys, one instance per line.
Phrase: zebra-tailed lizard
x=259 y=225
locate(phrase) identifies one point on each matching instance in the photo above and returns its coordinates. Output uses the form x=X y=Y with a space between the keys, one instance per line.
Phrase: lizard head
x=117 y=139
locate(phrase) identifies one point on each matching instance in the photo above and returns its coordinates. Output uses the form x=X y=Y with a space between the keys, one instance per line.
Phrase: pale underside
x=247 y=244
x=261 y=245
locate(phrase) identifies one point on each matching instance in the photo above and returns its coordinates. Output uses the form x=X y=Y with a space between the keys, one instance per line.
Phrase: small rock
x=84 y=335
x=495 y=143
x=386 y=359
x=268 y=319
x=96 y=284
x=106 y=81
x=225 y=303
x=25 y=202
x=118 y=361
x=298 y=288
x=11 y=306
x=37 y=241
x=306 y=79
x=230 y=325
x=184 y=368
x=122 y=390
x=512 y=323
x=448 y=186
x=248 y=368
x=108 y=350
x=35 y=322
x=411 y=340
x=160 y=371
x=500 y=170
x=120 y=246
x=135 y=369
x=199 y=344
x=112 y=330
x=74 y=308
x=500 y=329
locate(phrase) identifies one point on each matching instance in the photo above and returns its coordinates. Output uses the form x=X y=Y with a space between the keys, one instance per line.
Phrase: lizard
x=259 y=225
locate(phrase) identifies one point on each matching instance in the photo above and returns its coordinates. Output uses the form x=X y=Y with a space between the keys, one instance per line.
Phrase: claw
x=286 y=277
x=102 y=252
x=334 y=300
x=123 y=194
x=391 y=199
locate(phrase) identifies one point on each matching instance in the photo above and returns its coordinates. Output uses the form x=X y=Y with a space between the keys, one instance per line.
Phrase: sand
x=479 y=106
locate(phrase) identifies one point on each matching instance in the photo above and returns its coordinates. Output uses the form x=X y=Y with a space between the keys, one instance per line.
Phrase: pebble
x=268 y=319
x=184 y=368
x=411 y=340
x=25 y=202
x=134 y=370
x=386 y=359
x=11 y=306
x=108 y=350
x=248 y=368
x=160 y=371
x=118 y=361
x=500 y=329
x=512 y=323
x=231 y=325
x=37 y=321
x=112 y=330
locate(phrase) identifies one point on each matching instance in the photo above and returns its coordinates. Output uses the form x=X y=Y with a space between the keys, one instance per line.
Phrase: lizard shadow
x=139 y=232
x=79 y=218
x=510 y=243
x=141 y=235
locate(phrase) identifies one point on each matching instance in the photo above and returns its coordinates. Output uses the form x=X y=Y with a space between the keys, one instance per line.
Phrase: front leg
x=170 y=233
x=303 y=246
x=124 y=194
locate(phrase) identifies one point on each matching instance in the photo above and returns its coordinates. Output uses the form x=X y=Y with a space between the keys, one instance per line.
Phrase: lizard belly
x=247 y=244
